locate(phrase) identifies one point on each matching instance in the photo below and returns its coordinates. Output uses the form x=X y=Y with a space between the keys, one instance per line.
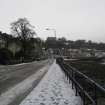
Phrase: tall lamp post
x=54 y=30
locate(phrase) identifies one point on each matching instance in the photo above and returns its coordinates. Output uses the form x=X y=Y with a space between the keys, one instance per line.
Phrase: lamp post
x=54 y=30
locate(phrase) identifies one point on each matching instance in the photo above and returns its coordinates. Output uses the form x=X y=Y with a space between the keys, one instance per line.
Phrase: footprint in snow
x=56 y=103
x=52 y=98
x=66 y=102
x=41 y=96
x=42 y=104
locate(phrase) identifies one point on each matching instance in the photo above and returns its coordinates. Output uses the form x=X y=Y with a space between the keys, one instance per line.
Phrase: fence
x=90 y=92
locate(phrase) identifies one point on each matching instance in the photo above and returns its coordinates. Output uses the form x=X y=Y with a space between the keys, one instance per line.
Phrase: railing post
x=72 y=77
x=95 y=94
x=67 y=76
x=76 y=89
x=69 y=79
x=84 y=100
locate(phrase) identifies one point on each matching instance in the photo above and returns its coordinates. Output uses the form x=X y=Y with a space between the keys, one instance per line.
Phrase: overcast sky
x=73 y=19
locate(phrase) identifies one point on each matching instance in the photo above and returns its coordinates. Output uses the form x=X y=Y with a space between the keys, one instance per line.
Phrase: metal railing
x=90 y=91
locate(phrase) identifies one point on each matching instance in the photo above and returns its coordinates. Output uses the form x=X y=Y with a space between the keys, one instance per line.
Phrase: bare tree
x=22 y=28
x=24 y=31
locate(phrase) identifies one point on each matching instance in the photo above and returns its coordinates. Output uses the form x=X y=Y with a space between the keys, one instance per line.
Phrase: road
x=14 y=74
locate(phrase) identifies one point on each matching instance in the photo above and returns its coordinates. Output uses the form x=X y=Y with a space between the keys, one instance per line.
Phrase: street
x=14 y=74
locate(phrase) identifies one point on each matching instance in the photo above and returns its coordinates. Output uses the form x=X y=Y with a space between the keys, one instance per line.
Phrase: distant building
x=51 y=42
x=14 y=46
x=2 y=43
x=99 y=53
x=51 y=39
x=76 y=53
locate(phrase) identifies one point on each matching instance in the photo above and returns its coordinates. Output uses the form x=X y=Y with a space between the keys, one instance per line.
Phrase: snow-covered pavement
x=54 y=89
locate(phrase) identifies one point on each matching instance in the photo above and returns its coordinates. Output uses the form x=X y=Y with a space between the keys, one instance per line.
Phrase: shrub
x=5 y=56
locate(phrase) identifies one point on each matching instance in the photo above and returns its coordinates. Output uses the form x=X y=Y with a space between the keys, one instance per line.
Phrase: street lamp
x=54 y=30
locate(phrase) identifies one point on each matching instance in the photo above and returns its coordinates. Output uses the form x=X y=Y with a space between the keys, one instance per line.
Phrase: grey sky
x=74 y=19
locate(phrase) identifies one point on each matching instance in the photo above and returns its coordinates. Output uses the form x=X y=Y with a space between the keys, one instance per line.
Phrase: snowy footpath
x=54 y=89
